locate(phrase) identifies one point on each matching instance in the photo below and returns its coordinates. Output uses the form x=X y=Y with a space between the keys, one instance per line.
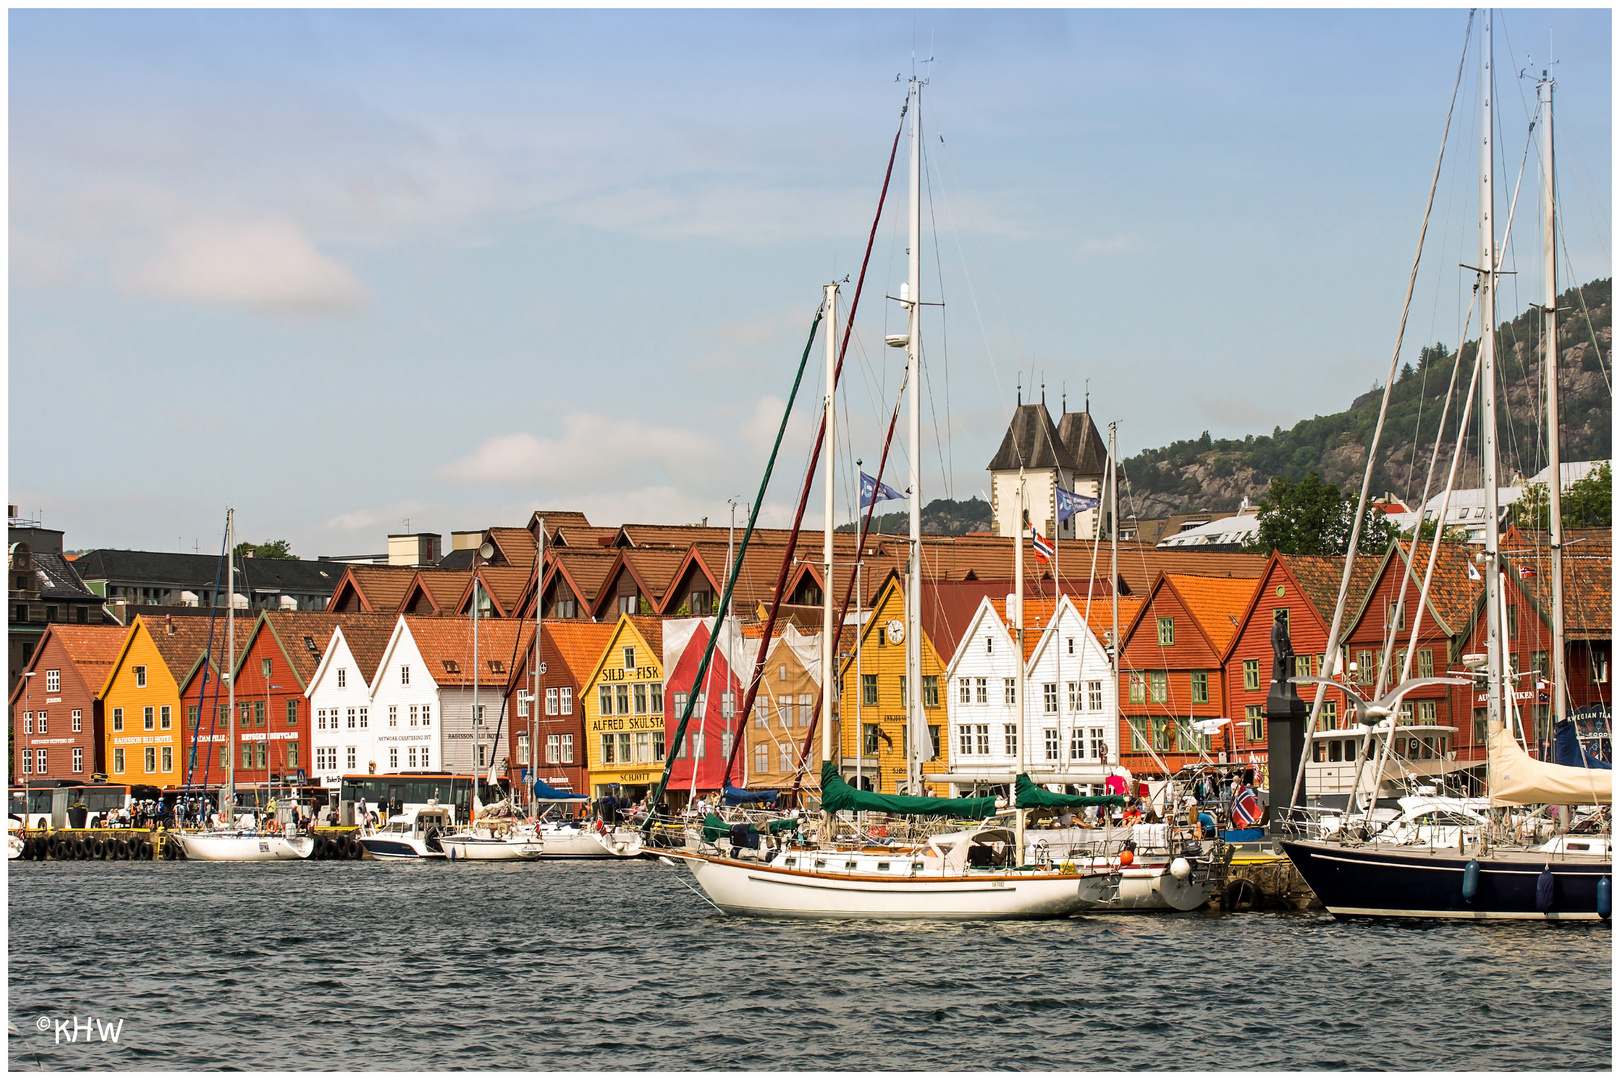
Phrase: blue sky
x=344 y=269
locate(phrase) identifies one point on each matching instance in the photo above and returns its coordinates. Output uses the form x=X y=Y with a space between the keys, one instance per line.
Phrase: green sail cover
x=716 y=829
x=1032 y=796
x=837 y=795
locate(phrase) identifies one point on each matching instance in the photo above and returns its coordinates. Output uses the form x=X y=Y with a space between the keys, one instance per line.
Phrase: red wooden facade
x=570 y=650
x=56 y=708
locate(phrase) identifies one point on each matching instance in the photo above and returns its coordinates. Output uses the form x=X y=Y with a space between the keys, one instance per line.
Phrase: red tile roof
x=446 y=646
x=1217 y=604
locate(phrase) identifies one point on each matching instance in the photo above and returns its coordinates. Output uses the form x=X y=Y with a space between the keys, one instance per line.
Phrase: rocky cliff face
x=1217 y=474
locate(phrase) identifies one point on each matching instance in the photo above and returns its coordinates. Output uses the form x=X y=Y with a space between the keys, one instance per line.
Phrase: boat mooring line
x=662 y=861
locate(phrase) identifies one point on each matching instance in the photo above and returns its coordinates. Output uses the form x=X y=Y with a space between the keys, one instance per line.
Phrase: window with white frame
x=553 y=748
x=53 y=681
x=964 y=692
x=1094 y=695
x=427 y=719
x=1009 y=688
x=982 y=690
x=1009 y=739
x=551 y=701
x=78 y=759
x=343 y=677
x=393 y=716
x=568 y=749
x=1077 y=744
x=1099 y=745
x=1049 y=698
x=981 y=738
x=762 y=757
x=351 y=757
x=523 y=749
x=1052 y=744
x=393 y=757
x=78 y=719
x=404 y=674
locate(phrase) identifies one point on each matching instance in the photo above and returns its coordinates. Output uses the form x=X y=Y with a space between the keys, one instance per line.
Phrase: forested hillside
x=1215 y=474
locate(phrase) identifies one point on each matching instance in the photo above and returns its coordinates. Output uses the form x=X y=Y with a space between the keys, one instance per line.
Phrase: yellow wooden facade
x=143 y=717
x=636 y=731
x=882 y=668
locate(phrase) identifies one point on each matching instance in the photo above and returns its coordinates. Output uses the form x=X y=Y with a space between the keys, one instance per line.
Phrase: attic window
x=989 y=646
x=309 y=643
x=497 y=666
x=452 y=667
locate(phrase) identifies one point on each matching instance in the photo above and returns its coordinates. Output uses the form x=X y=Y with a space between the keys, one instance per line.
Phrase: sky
x=368 y=272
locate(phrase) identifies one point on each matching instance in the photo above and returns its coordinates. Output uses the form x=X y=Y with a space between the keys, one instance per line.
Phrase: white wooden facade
x=1067 y=729
x=408 y=724
x=340 y=710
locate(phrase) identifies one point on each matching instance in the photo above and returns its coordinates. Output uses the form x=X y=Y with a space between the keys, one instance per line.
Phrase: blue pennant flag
x=1070 y=504
x=874 y=492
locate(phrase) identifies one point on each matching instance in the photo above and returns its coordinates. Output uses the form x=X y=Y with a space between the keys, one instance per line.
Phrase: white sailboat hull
x=492 y=848
x=571 y=843
x=1147 y=888
x=235 y=847
x=756 y=889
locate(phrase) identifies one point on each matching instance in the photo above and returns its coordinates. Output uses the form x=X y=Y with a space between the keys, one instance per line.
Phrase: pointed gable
x=1084 y=442
x=1032 y=442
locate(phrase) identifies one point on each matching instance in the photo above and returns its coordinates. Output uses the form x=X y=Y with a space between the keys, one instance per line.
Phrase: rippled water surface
x=618 y=966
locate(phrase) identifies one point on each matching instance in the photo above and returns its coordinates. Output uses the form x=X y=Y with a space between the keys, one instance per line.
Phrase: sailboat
x=237 y=839
x=976 y=873
x=1566 y=878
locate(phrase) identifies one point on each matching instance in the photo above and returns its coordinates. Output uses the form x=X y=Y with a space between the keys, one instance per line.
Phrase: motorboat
x=417 y=833
x=244 y=845
x=14 y=842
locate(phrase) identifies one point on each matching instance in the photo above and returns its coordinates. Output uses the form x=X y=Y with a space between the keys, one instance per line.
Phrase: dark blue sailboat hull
x=1425 y=883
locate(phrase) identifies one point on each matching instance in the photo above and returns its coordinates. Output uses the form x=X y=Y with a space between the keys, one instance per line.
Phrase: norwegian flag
x=1043 y=550
x=1246 y=809
x=1527 y=571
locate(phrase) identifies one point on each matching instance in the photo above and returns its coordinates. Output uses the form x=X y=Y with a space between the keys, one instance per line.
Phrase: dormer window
x=497 y=666
x=452 y=667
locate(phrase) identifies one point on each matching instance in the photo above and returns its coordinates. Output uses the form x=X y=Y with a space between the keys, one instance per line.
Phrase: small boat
x=565 y=840
x=14 y=843
x=244 y=845
x=414 y=834
x=495 y=840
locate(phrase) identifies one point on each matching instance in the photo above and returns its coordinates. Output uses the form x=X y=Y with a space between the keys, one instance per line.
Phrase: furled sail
x=736 y=796
x=546 y=793
x=838 y=795
x=1517 y=779
x=1031 y=796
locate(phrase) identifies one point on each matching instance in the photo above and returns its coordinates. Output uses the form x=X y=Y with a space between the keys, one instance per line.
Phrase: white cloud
x=268 y=265
x=589 y=453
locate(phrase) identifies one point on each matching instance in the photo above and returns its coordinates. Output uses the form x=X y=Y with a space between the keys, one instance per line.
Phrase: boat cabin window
x=883 y=866
x=1335 y=750
x=849 y=864
x=790 y=862
x=821 y=864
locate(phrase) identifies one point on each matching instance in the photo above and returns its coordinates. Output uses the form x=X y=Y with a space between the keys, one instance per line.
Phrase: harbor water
x=592 y=966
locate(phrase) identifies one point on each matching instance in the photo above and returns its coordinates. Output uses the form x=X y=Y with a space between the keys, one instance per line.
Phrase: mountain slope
x=1216 y=474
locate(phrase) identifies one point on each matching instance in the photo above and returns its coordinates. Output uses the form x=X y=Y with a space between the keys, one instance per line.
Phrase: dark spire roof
x=1084 y=443
x=1032 y=442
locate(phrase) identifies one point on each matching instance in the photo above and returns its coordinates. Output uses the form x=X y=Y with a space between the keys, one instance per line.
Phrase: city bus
x=398 y=792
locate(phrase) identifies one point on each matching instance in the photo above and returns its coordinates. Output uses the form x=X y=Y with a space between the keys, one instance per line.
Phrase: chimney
x=168 y=625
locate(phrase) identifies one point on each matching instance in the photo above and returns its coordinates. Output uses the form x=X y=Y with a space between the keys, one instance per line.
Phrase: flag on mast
x=874 y=492
x=1043 y=549
x=1070 y=504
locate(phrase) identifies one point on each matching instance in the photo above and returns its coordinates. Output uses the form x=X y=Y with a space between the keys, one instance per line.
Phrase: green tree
x=270 y=549
x=1587 y=503
x=1312 y=517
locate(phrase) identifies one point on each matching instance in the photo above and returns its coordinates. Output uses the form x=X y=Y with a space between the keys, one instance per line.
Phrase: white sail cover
x=1517 y=779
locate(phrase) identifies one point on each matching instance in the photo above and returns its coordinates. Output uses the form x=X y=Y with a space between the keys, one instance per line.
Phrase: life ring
x=1241 y=895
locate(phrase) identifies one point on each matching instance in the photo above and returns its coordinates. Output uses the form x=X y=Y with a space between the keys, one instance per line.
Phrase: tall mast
x=1016 y=618
x=1487 y=378
x=227 y=797
x=1549 y=314
x=477 y=765
x=913 y=301
x=539 y=626
x=1113 y=548
x=828 y=642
